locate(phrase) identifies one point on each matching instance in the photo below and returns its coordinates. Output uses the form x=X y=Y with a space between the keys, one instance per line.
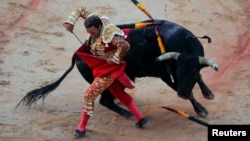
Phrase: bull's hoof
x=79 y=134
x=207 y=93
x=202 y=113
x=141 y=123
x=184 y=96
x=209 y=96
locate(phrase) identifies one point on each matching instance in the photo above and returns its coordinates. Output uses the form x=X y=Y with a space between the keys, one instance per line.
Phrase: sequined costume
x=109 y=45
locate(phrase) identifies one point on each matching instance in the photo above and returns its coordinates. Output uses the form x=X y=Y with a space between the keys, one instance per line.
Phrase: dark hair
x=92 y=21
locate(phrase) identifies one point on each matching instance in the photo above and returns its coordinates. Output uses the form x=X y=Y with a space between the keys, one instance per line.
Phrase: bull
x=162 y=49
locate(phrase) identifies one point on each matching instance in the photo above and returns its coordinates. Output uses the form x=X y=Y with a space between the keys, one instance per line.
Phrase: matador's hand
x=68 y=26
x=110 y=61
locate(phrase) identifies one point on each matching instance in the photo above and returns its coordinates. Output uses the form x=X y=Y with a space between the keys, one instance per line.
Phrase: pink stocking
x=133 y=108
x=83 y=122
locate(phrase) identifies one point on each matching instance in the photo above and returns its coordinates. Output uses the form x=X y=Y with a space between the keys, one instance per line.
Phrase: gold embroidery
x=98 y=49
x=122 y=47
x=78 y=12
x=109 y=31
x=96 y=88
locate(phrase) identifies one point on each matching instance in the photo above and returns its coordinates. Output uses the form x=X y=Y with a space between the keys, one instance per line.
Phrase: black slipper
x=141 y=123
x=79 y=134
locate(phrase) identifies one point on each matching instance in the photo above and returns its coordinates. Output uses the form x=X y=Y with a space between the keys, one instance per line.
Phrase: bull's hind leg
x=207 y=93
x=199 y=109
x=107 y=99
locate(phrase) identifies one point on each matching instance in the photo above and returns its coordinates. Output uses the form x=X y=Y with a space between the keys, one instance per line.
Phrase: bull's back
x=144 y=47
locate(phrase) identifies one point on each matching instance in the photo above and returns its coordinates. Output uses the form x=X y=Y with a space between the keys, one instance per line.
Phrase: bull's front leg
x=199 y=109
x=207 y=93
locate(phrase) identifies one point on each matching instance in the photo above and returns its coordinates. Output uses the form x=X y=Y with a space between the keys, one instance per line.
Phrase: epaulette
x=109 y=31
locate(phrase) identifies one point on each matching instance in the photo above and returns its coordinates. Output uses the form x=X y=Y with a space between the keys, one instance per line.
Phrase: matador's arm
x=73 y=17
x=76 y=13
x=122 y=49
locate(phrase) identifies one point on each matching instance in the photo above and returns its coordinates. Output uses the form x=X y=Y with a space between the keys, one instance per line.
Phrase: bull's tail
x=36 y=94
x=206 y=37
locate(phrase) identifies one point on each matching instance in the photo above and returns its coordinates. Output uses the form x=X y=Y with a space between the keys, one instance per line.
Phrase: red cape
x=101 y=67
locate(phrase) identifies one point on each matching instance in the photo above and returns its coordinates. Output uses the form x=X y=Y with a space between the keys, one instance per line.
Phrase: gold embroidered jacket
x=111 y=44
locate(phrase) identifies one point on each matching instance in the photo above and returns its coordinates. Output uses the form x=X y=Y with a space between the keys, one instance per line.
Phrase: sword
x=77 y=38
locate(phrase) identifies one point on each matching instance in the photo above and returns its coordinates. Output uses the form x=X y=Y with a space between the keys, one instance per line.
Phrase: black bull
x=179 y=70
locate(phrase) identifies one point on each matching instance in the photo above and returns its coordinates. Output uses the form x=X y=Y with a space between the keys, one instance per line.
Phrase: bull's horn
x=168 y=55
x=209 y=62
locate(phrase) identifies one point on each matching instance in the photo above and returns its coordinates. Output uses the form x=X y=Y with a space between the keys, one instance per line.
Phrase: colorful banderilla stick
x=142 y=8
x=187 y=116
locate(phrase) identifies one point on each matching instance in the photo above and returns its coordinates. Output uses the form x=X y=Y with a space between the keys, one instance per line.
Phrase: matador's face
x=94 y=32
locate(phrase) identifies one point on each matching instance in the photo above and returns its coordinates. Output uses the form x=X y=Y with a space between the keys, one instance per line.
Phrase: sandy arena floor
x=35 y=49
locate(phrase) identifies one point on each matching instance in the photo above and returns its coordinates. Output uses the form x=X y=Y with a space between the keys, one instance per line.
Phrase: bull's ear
x=168 y=55
x=209 y=62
